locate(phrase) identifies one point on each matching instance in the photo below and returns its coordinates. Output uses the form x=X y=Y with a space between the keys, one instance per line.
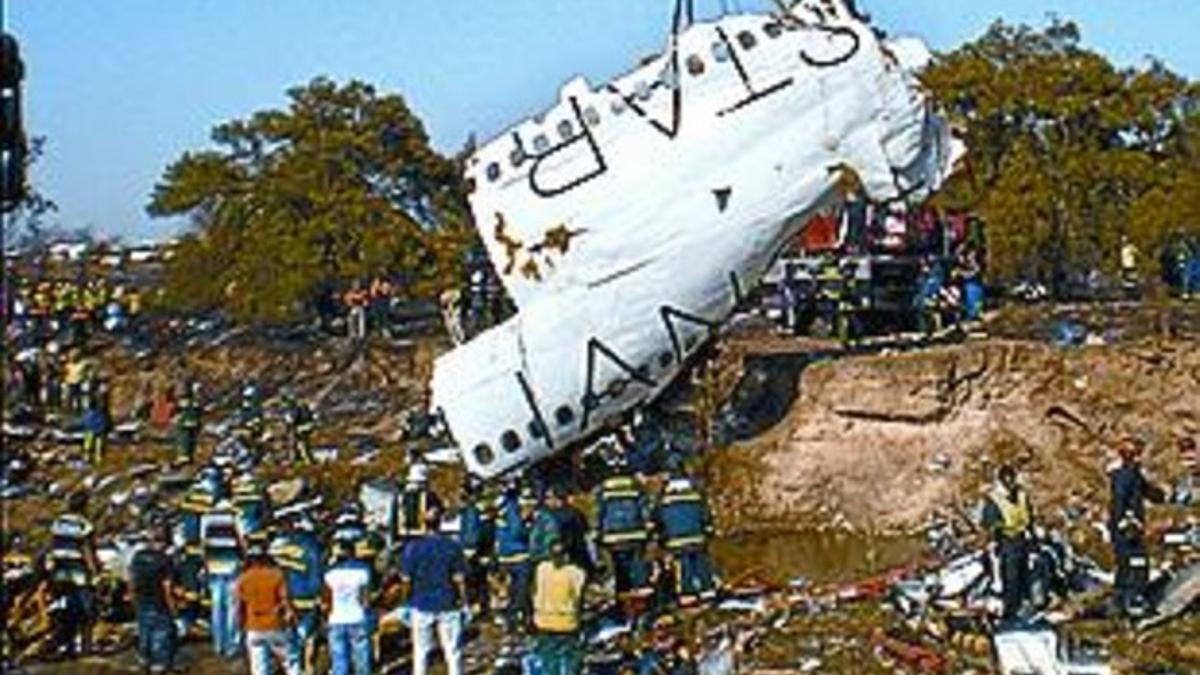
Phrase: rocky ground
x=874 y=449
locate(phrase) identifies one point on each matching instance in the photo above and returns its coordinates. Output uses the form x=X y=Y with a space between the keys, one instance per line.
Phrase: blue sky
x=122 y=87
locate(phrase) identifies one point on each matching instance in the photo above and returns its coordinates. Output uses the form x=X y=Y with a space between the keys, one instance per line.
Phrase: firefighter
x=512 y=553
x=197 y=501
x=623 y=526
x=684 y=527
x=1008 y=516
x=222 y=564
x=250 y=412
x=250 y=502
x=97 y=422
x=477 y=534
x=416 y=499
x=300 y=425
x=71 y=568
x=187 y=424
x=298 y=551
x=1127 y=526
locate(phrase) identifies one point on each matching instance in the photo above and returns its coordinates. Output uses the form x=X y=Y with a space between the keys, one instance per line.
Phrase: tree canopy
x=1067 y=153
x=340 y=185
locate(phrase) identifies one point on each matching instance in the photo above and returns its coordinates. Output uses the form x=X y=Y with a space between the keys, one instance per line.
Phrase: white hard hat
x=418 y=473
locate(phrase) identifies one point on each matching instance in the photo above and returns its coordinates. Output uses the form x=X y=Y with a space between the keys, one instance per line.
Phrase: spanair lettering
x=629 y=220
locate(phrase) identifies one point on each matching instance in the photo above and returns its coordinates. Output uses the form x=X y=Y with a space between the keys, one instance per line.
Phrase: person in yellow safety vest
x=623 y=525
x=557 y=604
x=1008 y=516
x=71 y=570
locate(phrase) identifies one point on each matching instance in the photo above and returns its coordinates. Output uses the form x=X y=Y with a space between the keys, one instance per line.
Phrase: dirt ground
x=872 y=449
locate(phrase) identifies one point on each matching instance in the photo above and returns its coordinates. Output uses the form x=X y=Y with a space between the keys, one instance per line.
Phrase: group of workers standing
x=1009 y=518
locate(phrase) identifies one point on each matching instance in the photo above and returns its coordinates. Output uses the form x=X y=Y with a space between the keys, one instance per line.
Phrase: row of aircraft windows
x=643 y=91
x=564 y=415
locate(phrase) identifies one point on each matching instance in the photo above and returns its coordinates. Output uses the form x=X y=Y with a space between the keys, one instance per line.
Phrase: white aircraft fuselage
x=628 y=220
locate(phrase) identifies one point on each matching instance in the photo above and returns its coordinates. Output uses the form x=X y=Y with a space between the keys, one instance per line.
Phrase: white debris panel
x=627 y=220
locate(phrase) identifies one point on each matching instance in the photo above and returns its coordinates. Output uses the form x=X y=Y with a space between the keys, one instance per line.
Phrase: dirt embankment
x=885 y=442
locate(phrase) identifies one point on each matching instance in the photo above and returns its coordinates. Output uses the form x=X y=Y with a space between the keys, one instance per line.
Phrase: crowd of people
x=281 y=580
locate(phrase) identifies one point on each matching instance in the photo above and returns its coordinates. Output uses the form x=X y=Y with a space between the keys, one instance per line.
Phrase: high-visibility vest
x=222 y=554
x=557 y=595
x=66 y=560
x=1015 y=516
x=622 y=518
x=683 y=519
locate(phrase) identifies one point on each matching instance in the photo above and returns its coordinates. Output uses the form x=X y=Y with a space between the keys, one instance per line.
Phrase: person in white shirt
x=349 y=620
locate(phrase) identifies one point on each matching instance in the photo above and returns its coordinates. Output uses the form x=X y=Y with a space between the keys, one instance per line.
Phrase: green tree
x=1064 y=148
x=340 y=185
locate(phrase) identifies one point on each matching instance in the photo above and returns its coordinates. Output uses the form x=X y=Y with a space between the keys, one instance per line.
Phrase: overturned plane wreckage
x=629 y=220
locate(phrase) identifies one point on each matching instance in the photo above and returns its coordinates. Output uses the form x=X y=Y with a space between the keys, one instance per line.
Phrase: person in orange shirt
x=264 y=611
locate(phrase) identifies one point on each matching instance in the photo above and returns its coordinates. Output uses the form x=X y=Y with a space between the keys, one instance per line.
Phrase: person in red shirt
x=264 y=611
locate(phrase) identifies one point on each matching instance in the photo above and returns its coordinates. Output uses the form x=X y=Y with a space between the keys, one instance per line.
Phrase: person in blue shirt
x=433 y=570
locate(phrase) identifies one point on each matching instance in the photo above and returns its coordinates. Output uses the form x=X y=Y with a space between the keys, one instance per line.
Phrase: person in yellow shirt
x=1008 y=516
x=557 y=605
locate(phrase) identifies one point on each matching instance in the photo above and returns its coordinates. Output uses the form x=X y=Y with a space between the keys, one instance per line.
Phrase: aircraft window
x=643 y=371
x=536 y=430
x=484 y=454
x=541 y=143
x=591 y=116
x=773 y=30
x=695 y=64
x=665 y=359
x=746 y=40
x=564 y=415
x=643 y=90
x=720 y=52
x=566 y=130
x=517 y=157
x=510 y=441
x=618 y=106
x=493 y=172
x=471 y=186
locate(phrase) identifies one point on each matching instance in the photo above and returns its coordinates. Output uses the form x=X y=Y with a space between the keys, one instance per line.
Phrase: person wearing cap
x=623 y=525
x=298 y=551
x=433 y=571
x=557 y=605
x=1130 y=490
x=512 y=553
x=1008 y=516
x=71 y=567
x=264 y=612
x=151 y=593
x=684 y=527
x=222 y=563
x=477 y=535
x=415 y=501
x=347 y=599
